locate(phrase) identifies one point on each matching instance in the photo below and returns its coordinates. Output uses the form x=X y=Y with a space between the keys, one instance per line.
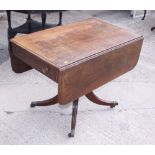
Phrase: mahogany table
x=80 y=57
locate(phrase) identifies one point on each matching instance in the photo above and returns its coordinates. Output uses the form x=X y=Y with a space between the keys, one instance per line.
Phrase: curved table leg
x=48 y=102
x=74 y=115
x=92 y=97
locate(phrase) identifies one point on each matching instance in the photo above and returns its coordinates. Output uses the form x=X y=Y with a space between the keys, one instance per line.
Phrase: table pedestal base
x=74 y=115
x=91 y=96
x=48 y=102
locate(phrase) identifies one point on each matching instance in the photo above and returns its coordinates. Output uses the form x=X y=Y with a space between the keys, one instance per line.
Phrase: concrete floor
x=132 y=122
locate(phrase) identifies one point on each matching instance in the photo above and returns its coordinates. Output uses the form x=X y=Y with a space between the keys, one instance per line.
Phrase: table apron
x=36 y=62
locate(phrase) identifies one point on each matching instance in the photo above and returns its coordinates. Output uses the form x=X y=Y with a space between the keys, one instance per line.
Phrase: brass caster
x=113 y=105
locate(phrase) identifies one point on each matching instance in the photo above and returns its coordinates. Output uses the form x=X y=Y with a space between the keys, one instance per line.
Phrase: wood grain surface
x=67 y=44
x=86 y=76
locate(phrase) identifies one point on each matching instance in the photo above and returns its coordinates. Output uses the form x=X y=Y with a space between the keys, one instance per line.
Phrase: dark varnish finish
x=80 y=57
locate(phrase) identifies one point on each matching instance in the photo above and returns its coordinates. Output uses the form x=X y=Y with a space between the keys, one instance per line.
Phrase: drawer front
x=35 y=62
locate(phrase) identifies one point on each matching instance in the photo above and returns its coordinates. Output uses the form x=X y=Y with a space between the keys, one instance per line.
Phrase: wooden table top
x=80 y=57
x=68 y=44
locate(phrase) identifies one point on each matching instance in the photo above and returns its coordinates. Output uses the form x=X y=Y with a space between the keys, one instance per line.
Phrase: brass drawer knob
x=45 y=70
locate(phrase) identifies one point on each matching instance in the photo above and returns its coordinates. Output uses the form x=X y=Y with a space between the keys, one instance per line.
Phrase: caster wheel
x=113 y=105
x=70 y=135
x=32 y=105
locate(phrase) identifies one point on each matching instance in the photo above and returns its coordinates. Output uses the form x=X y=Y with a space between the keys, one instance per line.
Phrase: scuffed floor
x=132 y=122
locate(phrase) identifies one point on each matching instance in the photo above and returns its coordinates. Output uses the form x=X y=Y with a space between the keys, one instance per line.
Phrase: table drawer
x=35 y=62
